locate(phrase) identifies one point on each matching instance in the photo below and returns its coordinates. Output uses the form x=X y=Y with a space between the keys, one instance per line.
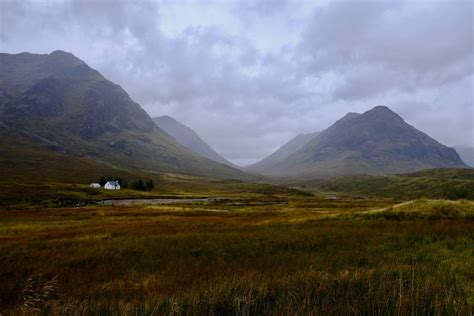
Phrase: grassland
x=261 y=249
x=33 y=194
x=434 y=183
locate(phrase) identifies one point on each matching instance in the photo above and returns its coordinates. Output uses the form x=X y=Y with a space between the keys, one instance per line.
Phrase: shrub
x=149 y=184
x=138 y=185
x=123 y=183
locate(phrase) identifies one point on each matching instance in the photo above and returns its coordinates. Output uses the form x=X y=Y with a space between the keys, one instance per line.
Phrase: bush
x=149 y=184
x=123 y=183
x=141 y=185
x=456 y=193
x=138 y=185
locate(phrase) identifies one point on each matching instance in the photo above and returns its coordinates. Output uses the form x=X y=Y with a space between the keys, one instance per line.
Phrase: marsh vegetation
x=259 y=250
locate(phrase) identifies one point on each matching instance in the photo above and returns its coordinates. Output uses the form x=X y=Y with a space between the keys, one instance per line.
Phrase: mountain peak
x=349 y=116
x=59 y=52
x=164 y=117
x=378 y=141
x=380 y=109
x=382 y=112
x=58 y=97
x=65 y=57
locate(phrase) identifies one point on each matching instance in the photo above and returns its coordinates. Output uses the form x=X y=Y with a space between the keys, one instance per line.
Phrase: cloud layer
x=248 y=76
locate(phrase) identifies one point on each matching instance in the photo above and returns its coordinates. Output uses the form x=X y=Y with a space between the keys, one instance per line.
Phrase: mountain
x=59 y=101
x=189 y=138
x=376 y=142
x=467 y=154
x=284 y=151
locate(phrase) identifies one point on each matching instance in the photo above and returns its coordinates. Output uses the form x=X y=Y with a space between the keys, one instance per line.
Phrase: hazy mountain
x=467 y=154
x=57 y=99
x=189 y=138
x=378 y=141
x=284 y=151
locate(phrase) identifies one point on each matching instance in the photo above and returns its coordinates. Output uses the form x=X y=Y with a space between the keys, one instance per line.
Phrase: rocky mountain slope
x=375 y=142
x=293 y=145
x=189 y=138
x=57 y=99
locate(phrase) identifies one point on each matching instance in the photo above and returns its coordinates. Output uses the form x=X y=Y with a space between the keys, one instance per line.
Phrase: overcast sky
x=249 y=75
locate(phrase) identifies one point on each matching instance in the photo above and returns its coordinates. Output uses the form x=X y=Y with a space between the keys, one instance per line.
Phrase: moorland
x=253 y=248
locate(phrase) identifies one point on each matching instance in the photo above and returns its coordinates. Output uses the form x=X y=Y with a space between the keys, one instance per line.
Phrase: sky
x=248 y=76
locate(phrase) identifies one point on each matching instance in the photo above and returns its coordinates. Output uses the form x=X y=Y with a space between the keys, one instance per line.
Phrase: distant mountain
x=293 y=145
x=467 y=154
x=189 y=138
x=376 y=142
x=59 y=101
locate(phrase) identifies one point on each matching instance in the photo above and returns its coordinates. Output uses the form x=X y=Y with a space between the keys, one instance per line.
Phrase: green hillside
x=59 y=101
x=435 y=183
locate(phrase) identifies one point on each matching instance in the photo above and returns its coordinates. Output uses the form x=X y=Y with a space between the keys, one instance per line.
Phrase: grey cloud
x=391 y=44
x=275 y=69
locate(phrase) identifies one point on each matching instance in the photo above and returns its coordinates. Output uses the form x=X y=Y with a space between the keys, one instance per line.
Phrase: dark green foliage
x=123 y=183
x=138 y=185
x=149 y=184
x=444 y=173
x=141 y=185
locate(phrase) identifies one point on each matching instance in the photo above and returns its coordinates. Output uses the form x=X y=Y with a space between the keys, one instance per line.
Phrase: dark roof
x=113 y=182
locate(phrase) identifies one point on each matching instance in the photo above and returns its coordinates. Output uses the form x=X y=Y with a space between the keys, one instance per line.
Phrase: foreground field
x=288 y=254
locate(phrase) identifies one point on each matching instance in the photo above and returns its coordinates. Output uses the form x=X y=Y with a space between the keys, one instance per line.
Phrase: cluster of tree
x=140 y=185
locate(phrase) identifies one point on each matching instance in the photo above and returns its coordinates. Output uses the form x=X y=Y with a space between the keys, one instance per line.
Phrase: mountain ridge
x=284 y=151
x=187 y=137
x=60 y=98
x=375 y=142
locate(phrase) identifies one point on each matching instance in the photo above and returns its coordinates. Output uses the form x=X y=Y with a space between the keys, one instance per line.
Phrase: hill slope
x=467 y=154
x=432 y=183
x=293 y=145
x=57 y=98
x=189 y=138
x=375 y=142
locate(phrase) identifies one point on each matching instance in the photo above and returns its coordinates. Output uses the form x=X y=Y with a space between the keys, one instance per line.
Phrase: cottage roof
x=113 y=183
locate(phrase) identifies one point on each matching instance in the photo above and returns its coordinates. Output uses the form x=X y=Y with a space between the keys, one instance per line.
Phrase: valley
x=370 y=216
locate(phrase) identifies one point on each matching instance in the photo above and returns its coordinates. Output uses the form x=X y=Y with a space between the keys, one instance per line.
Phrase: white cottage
x=112 y=185
x=94 y=185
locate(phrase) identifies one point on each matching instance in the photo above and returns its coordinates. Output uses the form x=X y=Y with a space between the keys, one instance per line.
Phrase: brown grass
x=305 y=256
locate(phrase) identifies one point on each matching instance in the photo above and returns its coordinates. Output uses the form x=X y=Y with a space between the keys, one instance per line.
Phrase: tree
x=123 y=183
x=103 y=180
x=149 y=184
x=138 y=185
